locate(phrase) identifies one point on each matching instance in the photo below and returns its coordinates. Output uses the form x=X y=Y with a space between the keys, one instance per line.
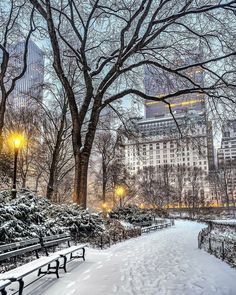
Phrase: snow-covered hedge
x=30 y=216
x=136 y=215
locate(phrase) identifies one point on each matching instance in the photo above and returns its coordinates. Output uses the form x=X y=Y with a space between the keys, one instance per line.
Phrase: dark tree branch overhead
x=9 y=35
x=111 y=42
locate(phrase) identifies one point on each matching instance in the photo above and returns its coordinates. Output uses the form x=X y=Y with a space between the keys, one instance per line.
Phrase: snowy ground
x=165 y=262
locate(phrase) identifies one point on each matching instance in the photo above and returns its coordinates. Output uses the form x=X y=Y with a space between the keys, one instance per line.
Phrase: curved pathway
x=165 y=262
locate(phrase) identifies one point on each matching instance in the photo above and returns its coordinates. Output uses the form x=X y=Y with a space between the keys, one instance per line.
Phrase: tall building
x=226 y=157
x=161 y=144
x=157 y=84
x=30 y=86
x=227 y=151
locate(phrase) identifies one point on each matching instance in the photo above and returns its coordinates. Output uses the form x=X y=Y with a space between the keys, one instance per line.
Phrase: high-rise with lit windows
x=29 y=88
x=161 y=142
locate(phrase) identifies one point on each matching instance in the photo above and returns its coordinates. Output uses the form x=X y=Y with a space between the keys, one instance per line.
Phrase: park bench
x=155 y=227
x=3 y=285
x=17 y=274
x=19 y=248
x=56 y=240
x=69 y=251
x=34 y=245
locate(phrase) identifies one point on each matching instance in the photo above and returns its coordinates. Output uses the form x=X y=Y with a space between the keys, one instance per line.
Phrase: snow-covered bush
x=136 y=215
x=29 y=216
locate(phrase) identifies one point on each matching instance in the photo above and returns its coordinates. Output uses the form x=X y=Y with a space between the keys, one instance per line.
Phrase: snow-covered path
x=165 y=262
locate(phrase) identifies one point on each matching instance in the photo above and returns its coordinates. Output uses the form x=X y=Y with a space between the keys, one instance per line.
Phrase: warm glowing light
x=175 y=104
x=17 y=140
x=190 y=102
x=141 y=206
x=120 y=191
x=104 y=205
x=152 y=102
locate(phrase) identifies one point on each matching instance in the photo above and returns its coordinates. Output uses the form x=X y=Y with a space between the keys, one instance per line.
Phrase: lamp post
x=17 y=141
x=120 y=192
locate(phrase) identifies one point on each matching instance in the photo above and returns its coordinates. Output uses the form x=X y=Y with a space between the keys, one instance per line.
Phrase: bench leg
x=21 y=286
x=57 y=268
x=77 y=255
x=83 y=254
x=65 y=260
x=3 y=292
x=39 y=272
x=50 y=268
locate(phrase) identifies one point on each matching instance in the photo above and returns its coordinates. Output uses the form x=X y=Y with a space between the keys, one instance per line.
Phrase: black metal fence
x=222 y=246
x=106 y=240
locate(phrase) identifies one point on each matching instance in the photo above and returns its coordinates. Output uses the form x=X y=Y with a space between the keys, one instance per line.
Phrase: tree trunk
x=52 y=172
x=56 y=155
x=2 y=117
x=24 y=181
x=104 y=181
x=80 y=181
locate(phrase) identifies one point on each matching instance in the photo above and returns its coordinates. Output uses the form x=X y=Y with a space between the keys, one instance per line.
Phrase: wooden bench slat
x=19 y=251
x=16 y=245
x=56 y=237
x=21 y=271
x=56 y=242
x=70 y=249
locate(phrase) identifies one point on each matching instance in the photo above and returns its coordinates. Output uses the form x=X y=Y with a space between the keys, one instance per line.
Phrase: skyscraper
x=161 y=144
x=30 y=87
x=157 y=84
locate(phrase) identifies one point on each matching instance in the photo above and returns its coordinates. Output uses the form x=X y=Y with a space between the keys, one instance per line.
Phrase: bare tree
x=105 y=145
x=16 y=23
x=194 y=198
x=55 y=138
x=141 y=32
x=226 y=179
x=6 y=170
x=180 y=175
x=151 y=187
x=215 y=184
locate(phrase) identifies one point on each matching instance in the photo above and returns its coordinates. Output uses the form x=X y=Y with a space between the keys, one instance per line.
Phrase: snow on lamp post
x=17 y=141
x=120 y=192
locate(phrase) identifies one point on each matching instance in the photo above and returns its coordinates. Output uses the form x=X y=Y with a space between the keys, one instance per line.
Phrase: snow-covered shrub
x=29 y=216
x=136 y=215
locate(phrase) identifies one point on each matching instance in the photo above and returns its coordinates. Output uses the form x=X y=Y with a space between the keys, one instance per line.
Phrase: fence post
x=101 y=242
x=199 y=240
x=223 y=250
x=123 y=232
x=210 y=250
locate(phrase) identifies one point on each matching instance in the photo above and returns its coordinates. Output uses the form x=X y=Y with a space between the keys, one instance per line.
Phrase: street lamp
x=16 y=141
x=120 y=192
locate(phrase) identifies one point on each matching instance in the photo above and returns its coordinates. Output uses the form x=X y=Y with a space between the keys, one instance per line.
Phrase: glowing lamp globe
x=120 y=191
x=16 y=140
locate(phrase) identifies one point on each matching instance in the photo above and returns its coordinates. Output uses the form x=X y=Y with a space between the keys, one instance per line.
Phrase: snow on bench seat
x=71 y=250
x=22 y=271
